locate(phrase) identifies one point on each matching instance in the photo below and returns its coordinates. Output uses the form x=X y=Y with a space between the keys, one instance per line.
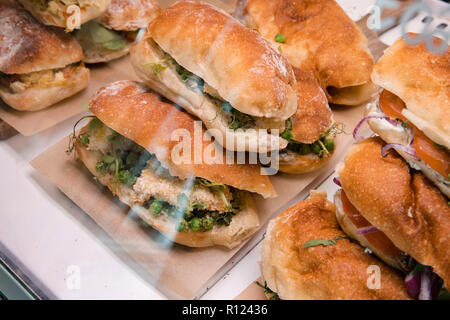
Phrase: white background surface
x=45 y=233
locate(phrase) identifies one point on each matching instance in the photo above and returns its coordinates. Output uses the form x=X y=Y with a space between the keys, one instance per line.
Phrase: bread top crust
x=421 y=79
x=313 y=116
x=338 y=271
x=130 y=15
x=320 y=37
x=27 y=46
x=406 y=206
x=135 y=112
x=244 y=68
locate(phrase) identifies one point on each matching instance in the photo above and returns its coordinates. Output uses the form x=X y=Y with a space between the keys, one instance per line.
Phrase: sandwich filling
x=93 y=36
x=193 y=204
x=233 y=118
x=18 y=83
x=320 y=148
x=58 y=7
x=419 y=151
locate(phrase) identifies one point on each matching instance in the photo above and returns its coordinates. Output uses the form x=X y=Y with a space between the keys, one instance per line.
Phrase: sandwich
x=412 y=113
x=238 y=84
x=311 y=131
x=316 y=36
x=68 y=14
x=129 y=147
x=398 y=214
x=111 y=35
x=39 y=65
x=306 y=256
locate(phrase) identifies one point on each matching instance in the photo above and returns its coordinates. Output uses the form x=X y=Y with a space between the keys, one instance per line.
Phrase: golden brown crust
x=333 y=272
x=130 y=15
x=88 y=12
x=422 y=80
x=135 y=112
x=27 y=46
x=242 y=66
x=295 y=163
x=337 y=54
x=313 y=116
x=405 y=206
x=242 y=226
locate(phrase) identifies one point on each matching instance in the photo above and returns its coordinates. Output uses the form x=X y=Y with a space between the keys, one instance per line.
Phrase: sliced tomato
x=377 y=239
x=435 y=156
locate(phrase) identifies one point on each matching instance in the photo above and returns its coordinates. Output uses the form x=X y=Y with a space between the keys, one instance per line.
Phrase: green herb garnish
x=267 y=290
x=157 y=67
x=280 y=38
x=323 y=242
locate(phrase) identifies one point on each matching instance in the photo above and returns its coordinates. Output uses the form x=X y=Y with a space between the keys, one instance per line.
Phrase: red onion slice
x=337 y=181
x=360 y=123
x=366 y=230
x=412 y=282
x=425 y=284
x=406 y=149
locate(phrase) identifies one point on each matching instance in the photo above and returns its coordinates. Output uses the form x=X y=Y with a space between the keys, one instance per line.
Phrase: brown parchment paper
x=182 y=270
x=31 y=122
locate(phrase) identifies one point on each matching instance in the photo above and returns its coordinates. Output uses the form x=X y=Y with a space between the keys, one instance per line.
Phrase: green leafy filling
x=323 y=146
x=267 y=290
x=109 y=39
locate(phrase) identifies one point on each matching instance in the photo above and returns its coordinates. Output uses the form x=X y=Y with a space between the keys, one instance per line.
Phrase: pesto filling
x=125 y=161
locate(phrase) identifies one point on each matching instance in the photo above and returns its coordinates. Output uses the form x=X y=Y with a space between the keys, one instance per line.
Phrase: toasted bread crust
x=27 y=46
x=333 y=272
x=421 y=79
x=337 y=55
x=242 y=66
x=405 y=206
x=140 y=115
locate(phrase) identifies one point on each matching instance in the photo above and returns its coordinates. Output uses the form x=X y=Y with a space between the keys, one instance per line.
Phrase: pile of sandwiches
x=273 y=67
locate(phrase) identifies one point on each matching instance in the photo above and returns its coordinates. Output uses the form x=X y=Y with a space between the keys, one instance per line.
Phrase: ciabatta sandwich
x=39 y=65
x=398 y=214
x=216 y=69
x=316 y=36
x=306 y=256
x=129 y=147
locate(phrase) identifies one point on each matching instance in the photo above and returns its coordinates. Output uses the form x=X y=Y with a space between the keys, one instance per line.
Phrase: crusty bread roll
x=243 y=224
x=421 y=79
x=142 y=116
x=319 y=37
x=130 y=15
x=169 y=83
x=405 y=206
x=312 y=119
x=337 y=271
x=36 y=98
x=391 y=133
x=27 y=46
x=58 y=15
x=243 y=67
